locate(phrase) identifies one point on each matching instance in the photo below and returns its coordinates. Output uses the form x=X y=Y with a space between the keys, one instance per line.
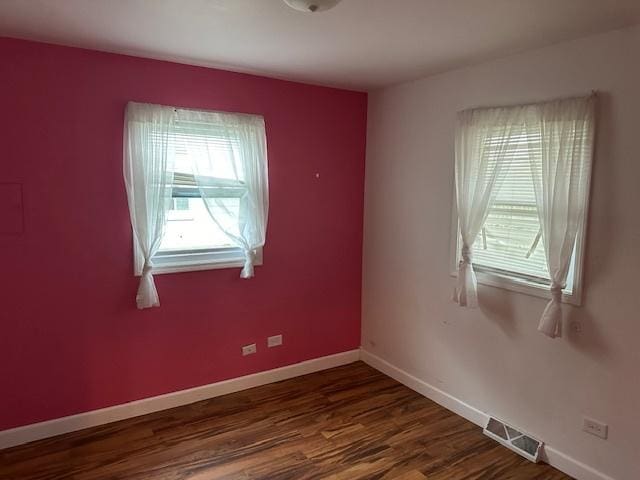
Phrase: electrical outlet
x=595 y=428
x=274 y=341
x=249 y=349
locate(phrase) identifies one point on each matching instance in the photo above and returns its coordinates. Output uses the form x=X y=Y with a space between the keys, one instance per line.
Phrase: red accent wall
x=71 y=338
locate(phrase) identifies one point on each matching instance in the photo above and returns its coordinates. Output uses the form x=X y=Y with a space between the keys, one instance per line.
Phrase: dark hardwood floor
x=346 y=423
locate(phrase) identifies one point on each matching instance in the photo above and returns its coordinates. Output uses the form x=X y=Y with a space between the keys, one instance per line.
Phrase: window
x=212 y=200
x=509 y=250
x=194 y=238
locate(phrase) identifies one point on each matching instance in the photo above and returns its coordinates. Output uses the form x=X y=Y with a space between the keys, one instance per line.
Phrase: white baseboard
x=552 y=456
x=58 y=426
x=51 y=428
x=443 y=398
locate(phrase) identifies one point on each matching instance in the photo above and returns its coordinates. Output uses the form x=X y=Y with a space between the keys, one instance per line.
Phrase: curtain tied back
x=227 y=155
x=560 y=138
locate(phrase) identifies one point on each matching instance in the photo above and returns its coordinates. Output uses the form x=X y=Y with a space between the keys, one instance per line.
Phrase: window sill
x=520 y=285
x=198 y=260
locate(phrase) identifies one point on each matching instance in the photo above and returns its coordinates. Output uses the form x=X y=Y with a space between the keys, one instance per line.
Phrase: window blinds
x=509 y=241
x=191 y=141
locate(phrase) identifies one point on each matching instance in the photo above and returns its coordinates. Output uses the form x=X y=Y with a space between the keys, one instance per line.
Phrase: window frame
x=516 y=283
x=194 y=260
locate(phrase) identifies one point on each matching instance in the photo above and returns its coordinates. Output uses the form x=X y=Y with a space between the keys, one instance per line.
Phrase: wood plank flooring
x=347 y=423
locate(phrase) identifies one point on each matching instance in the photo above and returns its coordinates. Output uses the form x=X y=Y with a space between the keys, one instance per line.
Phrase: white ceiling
x=360 y=44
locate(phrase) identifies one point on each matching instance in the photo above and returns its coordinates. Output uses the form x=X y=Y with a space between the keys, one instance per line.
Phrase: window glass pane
x=510 y=239
x=189 y=225
x=213 y=148
x=192 y=228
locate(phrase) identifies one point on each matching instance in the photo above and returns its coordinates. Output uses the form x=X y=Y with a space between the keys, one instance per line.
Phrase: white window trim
x=194 y=260
x=517 y=284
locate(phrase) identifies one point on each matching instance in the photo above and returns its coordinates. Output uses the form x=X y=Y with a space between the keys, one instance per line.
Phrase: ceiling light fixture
x=311 y=6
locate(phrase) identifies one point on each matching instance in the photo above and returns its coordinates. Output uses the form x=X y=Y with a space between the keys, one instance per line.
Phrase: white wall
x=493 y=358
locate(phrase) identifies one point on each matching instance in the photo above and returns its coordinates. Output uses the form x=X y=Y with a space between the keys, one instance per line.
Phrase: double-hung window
x=203 y=216
x=508 y=251
x=197 y=189
x=529 y=166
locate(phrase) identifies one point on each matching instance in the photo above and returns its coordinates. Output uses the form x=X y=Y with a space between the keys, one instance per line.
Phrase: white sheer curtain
x=229 y=162
x=148 y=177
x=561 y=174
x=481 y=148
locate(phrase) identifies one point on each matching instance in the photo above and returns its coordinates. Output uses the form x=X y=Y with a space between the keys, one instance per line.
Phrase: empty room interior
x=319 y=239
